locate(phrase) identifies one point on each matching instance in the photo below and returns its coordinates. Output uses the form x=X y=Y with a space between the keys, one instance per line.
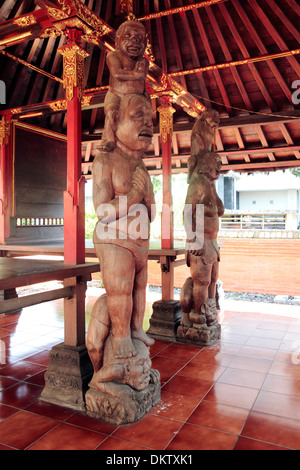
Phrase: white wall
x=263 y=200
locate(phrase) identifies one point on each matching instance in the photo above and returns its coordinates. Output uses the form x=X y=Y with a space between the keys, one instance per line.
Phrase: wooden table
x=168 y=259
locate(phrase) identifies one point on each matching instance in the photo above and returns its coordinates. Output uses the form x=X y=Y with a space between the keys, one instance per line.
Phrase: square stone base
x=202 y=335
x=67 y=376
x=121 y=404
x=165 y=320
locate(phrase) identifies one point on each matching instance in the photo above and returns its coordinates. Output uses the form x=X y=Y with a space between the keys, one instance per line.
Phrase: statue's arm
x=118 y=72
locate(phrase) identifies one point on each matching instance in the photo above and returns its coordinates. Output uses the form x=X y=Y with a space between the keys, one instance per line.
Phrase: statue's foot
x=123 y=347
x=141 y=335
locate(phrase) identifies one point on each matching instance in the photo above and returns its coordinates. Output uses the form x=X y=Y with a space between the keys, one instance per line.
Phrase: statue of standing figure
x=198 y=294
x=124 y=386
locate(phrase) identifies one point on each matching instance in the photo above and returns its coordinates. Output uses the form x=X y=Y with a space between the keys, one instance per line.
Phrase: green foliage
x=295 y=171
x=90 y=222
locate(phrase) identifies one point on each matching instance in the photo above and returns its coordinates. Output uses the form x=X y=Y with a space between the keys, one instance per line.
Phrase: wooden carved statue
x=128 y=70
x=202 y=137
x=124 y=386
x=199 y=312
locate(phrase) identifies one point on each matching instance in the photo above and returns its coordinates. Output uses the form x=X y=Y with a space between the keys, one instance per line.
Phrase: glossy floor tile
x=241 y=393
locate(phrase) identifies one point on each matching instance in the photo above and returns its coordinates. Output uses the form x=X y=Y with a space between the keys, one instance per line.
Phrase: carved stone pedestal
x=165 y=320
x=201 y=335
x=119 y=403
x=67 y=376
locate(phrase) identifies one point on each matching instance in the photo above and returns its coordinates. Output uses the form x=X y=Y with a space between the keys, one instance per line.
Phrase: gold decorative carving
x=4 y=130
x=51 y=32
x=24 y=21
x=90 y=18
x=166 y=121
x=73 y=62
x=55 y=13
x=60 y=105
x=16 y=110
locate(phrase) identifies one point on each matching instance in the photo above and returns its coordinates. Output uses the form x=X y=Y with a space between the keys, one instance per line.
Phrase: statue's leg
x=201 y=275
x=213 y=282
x=139 y=305
x=118 y=270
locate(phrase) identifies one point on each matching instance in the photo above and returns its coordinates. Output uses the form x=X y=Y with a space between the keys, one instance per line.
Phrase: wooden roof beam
x=262 y=48
x=246 y=55
x=211 y=59
x=228 y=57
x=275 y=35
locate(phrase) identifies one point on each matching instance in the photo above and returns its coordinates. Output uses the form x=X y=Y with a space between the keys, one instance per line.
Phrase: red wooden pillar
x=74 y=203
x=166 y=130
x=74 y=210
x=5 y=178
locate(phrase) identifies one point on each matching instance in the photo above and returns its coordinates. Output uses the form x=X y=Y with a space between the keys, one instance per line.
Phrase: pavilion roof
x=238 y=57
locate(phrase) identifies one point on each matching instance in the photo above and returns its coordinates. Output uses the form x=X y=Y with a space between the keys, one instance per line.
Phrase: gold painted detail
x=165 y=121
x=4 y=131
x=51 y=32
x=73 y=75
x=24 y=21
x=90 y=18
x=55 y=13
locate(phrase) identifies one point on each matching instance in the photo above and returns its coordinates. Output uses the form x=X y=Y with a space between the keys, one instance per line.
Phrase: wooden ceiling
x=240 y=57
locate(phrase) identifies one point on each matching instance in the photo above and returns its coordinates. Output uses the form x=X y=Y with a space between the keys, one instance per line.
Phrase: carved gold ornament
x=4 y=131
x=73 y=62
x=166 y=121
x=24 y=21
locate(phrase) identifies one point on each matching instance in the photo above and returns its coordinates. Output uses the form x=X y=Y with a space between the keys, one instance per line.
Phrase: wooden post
x=166 y=130
x=74 y=211
x=5 y=178
x=74 y=204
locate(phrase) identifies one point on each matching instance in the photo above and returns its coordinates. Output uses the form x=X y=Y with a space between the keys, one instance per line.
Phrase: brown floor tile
x=202 y=371
x=83 y=420
x=20 y=395
x=244 y=378
x=151 y=431
x=273 y=429
x=285 y=369
x=244 y=443
x=175 y=406
x=184 y=352
x=167 y=365
x=67 y=437
x=278 y=404
x=216 y=358
x=191 y=437
x=23 y=428
x=279 y=384
x=218 y=416
x=6 y=411
x=118 y=444
x=232 y=395
x=188 y=386
x=21 y=370
x=255 y=364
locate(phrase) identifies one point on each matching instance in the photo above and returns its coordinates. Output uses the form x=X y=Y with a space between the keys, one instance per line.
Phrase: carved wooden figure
x=124 y=202
x=198 y=303
x=128 y=70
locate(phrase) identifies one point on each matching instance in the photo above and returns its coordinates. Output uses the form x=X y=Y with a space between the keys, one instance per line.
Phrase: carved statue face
x=212 y=118
x=131 y=39
x=135 y=126
x=211 y=165
x=139 y=371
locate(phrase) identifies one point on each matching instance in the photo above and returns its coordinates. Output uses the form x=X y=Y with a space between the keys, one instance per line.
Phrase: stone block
x=165 y=320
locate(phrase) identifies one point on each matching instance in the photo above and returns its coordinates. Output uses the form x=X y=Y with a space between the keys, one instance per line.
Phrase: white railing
x=39 y=221
x=253 y=222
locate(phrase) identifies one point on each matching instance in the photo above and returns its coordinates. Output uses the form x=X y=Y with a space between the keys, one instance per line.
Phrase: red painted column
x=74 y=204
x=5 y=178
x=166 y=129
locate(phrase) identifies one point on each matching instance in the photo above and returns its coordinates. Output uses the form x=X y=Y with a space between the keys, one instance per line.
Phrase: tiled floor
x=243 y=392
